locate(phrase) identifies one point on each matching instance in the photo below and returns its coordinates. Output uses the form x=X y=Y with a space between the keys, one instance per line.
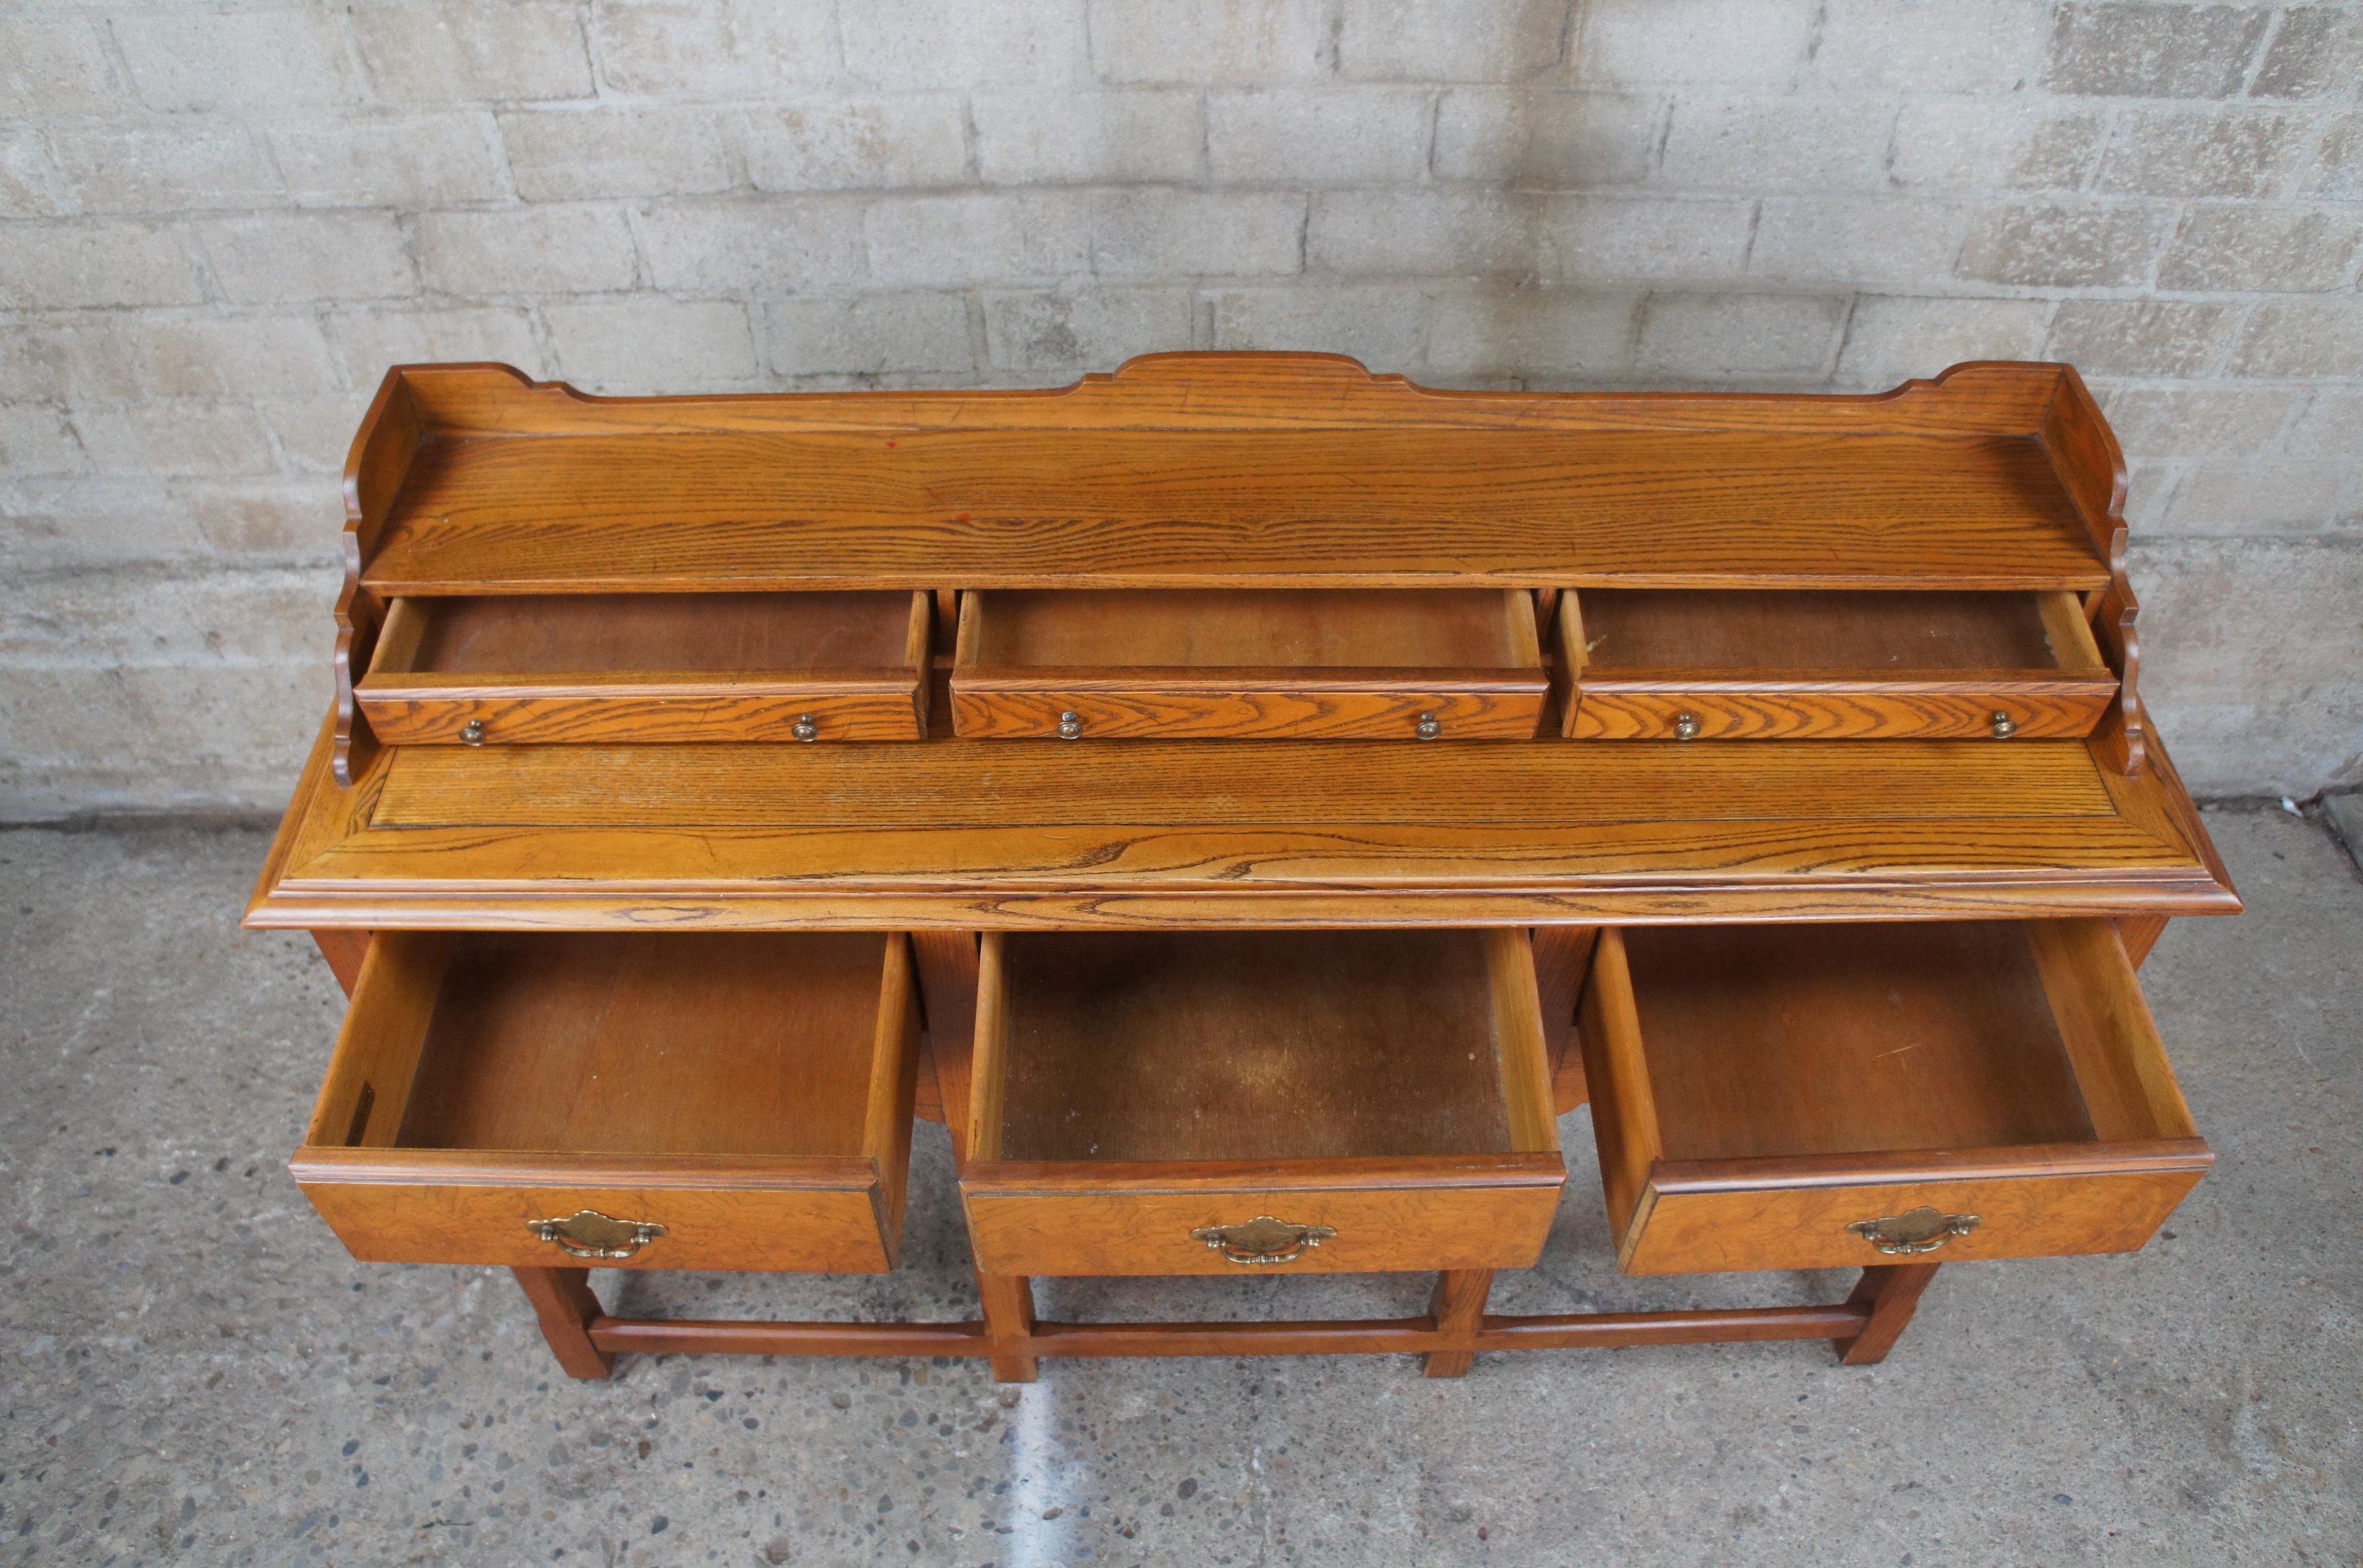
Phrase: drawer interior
x=651 y=633
x=1260 y=1045
x=1812 y=630
x=1772 y=1041
x=1191 y=628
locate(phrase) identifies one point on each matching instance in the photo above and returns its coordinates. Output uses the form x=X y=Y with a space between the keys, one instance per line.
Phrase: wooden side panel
x=1562 y=957
x=1768 y=705
x=2091 y=465
x=1623 y=1107
x=376 y=1060
x=2104 y=1022
x=375 y=470
x=1519 y=1042
x=893 y=1084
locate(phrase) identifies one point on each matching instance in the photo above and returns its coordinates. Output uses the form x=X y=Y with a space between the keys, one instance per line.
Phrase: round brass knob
x=1071 y=725
x=1686 y=726
x=1428 y=728
x=472 y=733
x=2004 y=726
x=803 y=729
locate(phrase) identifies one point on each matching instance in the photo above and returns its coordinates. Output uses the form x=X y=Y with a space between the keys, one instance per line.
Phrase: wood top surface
x=1012 y=834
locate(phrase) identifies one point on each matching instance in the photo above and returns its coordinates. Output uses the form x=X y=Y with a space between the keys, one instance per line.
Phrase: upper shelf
x=1230 y=470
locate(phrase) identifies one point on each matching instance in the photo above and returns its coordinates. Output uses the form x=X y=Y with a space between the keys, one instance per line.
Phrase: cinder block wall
x=219 y=224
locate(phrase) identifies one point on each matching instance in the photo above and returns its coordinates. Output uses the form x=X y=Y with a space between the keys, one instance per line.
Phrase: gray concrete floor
x=192 y=1369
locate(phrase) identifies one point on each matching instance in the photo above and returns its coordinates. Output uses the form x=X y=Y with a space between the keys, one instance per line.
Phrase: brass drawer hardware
x=2004 y=726
x=1071 y=725
x=1428 y=728
x=1263 y=1240
x=1686 y=726
x=587 y=1233
x=1924 y=1230
x=803 y=729
x=472 y=733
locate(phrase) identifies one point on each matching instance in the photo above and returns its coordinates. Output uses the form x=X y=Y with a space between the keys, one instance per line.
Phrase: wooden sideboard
x=1248 y=800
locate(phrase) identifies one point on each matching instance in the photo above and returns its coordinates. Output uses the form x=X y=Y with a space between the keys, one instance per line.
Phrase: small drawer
x=621 y=669
x=1820 y=1095
x=1405 y=665
x=733 y=1100
x=1167 y=1103
x=1648 y=663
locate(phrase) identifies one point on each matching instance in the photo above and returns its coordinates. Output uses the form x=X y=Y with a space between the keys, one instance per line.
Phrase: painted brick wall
x=219 y=224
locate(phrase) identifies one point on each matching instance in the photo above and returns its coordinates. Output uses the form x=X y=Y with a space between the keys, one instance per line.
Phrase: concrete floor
x=191 y=1369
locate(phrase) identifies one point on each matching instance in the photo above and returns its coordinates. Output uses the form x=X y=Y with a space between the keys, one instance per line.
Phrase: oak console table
x=1247 y=800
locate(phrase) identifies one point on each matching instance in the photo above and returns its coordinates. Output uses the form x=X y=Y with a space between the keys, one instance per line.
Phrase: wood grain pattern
x=563 y=1303
x=1736 y=704
x=1892 y=1294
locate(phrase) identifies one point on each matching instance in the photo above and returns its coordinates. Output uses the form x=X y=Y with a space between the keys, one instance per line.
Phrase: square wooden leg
x=1459 y=1308
x=1008 y=1300
x=561 y=1298
x=1891 y=1292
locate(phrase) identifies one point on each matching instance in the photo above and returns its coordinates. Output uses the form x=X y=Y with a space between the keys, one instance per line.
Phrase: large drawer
x=1178 y=1102
x=683 y=1100
x=610 y=669
x=1812 y=1096
x=1429 y=664
x=1688 y=664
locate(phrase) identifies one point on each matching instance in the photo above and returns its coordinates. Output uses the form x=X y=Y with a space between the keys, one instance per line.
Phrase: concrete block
x=2153 y=50
x=712 y=49
x=226 y=356
x=1784 y=144
x=2246 y=500
x=2260 y=247
x=1489 y=331
x=1892 y=338
x=1861 y=239
x=338 y=256
x=123 y=724
x=1581 y=239
x=647 y=346
x=2338 y=171
x=1067 y=138
x=1168 y=233
x=301 y=517
x=2139 y=337
x=367 y=342
x=1477 y=40
x=2207 y=421
x=2060 y=246
x=1872 y=46
x=1420 y=233
x=236 y=60
x=2301 y=338
x=2317 y=53
x=2204 y=152
x=528 y=250
x=955 y=43
x=61 y=265
x=1718 y=336
x=857 y=144
x=1071 y=331
x=1757 y=43
x=53 y=65
x=873 y=335
x=1235 y=43
x=2331 y=426
x=948 y=241
x=779 y=244
x=81 y=521
x=31 y=184
x=1547 y=141
x=1373 y=136
x=62 y=356
x=196 y=614
x=188 y=165
x=563 y=155
x=315 y=434
x=397 y=160
x=452 y=52
x=36 y=441
x=1973 y=143
x=1378 y=323
x=175 y=436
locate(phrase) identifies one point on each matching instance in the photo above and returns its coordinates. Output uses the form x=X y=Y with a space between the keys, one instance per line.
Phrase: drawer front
x=1686 y=709
x=1247 y=704
x=391 y=1206
x=1700 y=1231
x=631 y=714
x=1377 y=1227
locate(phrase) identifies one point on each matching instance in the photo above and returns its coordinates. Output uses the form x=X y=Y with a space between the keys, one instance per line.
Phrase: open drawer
x=1685 y=663
x=699 y=1100
x=617 y=669
x=1197 y=1102
x=1817 y=1095
x=1384 y=664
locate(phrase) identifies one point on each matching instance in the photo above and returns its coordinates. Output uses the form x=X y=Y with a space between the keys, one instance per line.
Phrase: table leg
x=562 y=1300
x=1890 y=1291
x=1459 y=1308
x=1008 y=1300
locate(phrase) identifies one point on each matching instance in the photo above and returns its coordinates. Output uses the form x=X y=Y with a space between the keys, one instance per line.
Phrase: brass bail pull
x=1920 y=1231
x=587 y=1233
x=1263 y=1240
